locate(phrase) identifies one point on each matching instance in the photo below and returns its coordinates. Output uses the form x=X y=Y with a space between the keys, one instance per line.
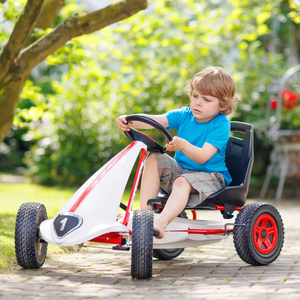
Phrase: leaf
x=263 y=17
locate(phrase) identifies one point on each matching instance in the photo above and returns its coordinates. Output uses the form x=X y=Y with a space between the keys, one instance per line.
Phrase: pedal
x=157 y=203
x=155 y=233
x=121 y=248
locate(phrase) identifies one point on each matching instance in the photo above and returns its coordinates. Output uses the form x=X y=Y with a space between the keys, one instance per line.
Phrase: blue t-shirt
x=215 y=132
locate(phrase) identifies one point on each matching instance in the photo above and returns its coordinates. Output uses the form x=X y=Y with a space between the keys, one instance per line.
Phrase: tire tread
x=25 y=235
x=142 y=244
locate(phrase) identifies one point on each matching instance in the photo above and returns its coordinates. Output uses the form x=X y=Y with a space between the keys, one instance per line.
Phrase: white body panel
x=175 y=239
x=100 y=207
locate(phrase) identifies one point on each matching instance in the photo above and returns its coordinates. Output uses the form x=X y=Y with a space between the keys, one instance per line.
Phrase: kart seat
x=239 y=160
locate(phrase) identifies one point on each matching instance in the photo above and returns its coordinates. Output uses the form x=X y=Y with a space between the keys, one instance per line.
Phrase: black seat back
x=239 y=161
x=239 y=153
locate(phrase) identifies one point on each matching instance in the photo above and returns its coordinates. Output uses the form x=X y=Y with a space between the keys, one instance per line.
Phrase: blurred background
x=64 y=127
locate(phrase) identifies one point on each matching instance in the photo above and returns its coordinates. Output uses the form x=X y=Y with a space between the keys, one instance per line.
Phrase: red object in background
x=290 y=100
x=274 y=103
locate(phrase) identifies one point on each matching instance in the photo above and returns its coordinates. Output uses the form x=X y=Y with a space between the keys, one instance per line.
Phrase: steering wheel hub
x=152 y=145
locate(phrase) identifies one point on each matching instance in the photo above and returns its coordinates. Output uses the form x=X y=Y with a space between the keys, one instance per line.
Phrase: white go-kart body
x=92 y=211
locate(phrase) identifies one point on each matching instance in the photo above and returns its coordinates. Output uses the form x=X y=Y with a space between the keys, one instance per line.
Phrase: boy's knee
x=151 y=158
x=181 y=181
x=151 y=161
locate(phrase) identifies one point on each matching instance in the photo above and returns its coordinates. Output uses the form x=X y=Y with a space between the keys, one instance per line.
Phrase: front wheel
x=142 y=244
x=30 y=250
x=258 y=234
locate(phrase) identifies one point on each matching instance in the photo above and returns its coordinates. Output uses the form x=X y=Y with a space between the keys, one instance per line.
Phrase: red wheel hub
x=265 y=234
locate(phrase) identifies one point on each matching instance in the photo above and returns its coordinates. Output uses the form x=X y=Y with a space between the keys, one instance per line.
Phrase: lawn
x=12 y=195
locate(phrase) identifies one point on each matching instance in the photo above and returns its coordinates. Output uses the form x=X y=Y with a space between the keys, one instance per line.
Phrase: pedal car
x=90 y=215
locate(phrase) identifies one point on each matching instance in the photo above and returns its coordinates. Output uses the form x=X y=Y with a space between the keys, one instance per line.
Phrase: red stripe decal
x=111 y=163
x=203 y=231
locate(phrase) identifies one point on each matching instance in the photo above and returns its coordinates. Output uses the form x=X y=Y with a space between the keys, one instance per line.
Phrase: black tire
x=30 y=251
x=142 y=244
x=168 y=254
x=260 y=240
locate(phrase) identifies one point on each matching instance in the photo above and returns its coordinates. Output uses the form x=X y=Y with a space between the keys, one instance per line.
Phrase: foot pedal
x=155 y=233
x=121 y=248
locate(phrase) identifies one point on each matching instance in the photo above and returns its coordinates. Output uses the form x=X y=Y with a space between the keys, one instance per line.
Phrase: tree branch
x=19 y=34
x=49 y=13
x=73 y=27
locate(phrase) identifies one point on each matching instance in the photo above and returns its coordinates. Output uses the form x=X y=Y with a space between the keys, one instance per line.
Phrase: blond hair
x=216 y=82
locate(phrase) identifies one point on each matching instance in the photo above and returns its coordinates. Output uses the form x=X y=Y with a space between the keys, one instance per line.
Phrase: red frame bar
x=109 y=238
x=220 y=207
x=135 y=185
x=194 y=215
x=208 y=231
x=203 y=231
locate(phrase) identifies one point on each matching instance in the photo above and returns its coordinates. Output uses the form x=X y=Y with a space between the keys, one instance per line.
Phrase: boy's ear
x=224 y=108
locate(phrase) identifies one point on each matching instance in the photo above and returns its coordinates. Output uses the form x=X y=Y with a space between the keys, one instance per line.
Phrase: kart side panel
x=96 y=202
x=177 y=236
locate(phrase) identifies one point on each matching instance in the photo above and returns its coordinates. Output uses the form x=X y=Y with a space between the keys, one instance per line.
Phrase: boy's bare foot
x=158 y=231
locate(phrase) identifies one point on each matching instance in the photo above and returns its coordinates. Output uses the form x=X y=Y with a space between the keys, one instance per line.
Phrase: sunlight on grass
x=12 y=195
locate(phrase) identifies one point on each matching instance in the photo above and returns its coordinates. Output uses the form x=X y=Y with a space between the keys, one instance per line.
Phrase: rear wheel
x=259 y=240
x=168 y=254
x=142 y=244
x=30 y=250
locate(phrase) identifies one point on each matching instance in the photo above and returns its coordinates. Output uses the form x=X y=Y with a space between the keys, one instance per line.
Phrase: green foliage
x=143 y=64
x=9 y=13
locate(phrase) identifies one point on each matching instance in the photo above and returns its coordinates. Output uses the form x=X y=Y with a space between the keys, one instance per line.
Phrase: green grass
x=12 y=195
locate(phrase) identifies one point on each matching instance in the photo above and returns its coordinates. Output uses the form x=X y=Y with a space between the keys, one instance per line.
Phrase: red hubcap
x=265 y=234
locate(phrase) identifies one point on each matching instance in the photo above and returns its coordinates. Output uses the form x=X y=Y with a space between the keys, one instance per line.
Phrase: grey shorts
x=203 y=182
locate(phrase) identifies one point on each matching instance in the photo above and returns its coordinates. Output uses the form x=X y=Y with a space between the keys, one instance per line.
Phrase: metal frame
x=284 y=151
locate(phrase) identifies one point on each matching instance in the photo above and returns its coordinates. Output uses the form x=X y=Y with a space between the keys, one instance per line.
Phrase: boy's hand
x=176 y=144
x=122 y=124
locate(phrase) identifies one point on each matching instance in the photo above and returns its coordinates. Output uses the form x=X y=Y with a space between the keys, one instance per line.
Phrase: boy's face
x=204 y=108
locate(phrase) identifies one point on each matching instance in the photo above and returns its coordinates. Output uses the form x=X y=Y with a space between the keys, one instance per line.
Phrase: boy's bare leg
x=174 y=206
x=150 y=181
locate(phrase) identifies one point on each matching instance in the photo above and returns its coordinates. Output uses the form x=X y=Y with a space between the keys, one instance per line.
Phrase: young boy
x=199 y=168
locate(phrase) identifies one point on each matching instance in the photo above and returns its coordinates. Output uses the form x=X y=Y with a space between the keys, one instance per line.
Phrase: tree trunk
x=9 y=98
x=17 y=62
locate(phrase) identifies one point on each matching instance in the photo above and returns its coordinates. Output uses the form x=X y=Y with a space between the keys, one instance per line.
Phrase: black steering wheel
x=152 y=145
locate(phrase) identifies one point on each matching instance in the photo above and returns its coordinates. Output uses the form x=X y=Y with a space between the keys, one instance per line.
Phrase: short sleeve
x=175 y=116
x=219 y=134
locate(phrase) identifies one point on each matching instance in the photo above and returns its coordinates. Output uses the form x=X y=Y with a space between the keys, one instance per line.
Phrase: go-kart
x=90 y=215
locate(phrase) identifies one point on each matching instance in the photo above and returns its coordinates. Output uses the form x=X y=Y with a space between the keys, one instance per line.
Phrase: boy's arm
x=123 y=126
x=198 y=155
